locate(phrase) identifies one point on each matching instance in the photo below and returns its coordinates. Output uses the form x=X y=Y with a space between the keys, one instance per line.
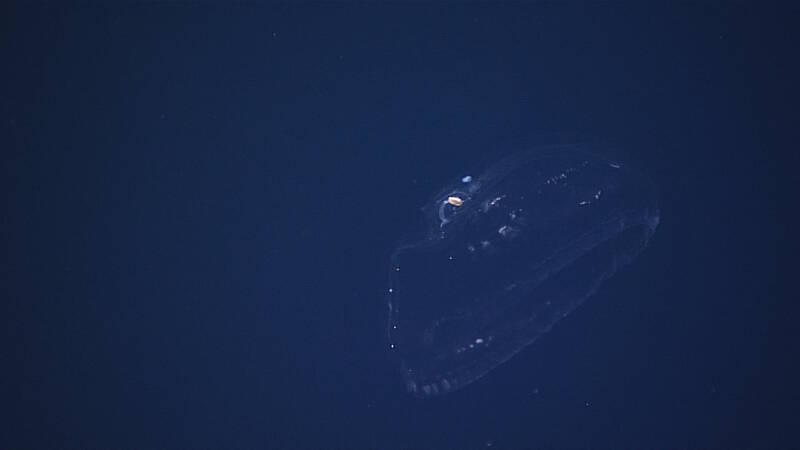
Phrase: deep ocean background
x=201 y=201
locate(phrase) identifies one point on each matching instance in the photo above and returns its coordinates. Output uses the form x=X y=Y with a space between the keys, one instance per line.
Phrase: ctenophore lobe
x=504 y=255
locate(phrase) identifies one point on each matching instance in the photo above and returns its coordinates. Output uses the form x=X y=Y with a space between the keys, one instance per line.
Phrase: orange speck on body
x=455 y=201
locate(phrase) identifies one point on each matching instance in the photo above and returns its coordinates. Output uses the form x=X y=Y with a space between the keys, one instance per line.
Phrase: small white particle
x=479 y=341
x=467 y=179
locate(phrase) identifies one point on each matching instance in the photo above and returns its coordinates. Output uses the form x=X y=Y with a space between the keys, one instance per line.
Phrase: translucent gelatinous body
x=533 y=236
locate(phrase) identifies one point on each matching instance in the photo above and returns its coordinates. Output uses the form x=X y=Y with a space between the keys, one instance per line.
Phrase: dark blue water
x=201 y=204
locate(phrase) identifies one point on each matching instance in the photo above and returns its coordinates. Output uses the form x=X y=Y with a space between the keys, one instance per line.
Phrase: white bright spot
x=467 y=179
x=455 y=201
x=479 y=341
